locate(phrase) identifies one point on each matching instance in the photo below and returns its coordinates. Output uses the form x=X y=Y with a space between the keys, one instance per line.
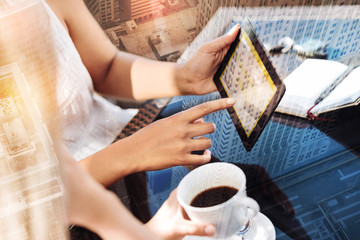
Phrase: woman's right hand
x=170 y=141
x=162 y=144
x=172 y=222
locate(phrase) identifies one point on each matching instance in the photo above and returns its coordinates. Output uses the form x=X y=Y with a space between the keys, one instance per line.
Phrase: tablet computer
x=247 y=74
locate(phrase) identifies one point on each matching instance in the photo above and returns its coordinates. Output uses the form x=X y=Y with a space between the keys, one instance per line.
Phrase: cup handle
x=252 y=206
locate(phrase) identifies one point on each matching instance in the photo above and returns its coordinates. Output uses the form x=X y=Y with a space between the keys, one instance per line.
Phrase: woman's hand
x=170 y=141
x=171 y=222
x=196 y=76
x=165 y=143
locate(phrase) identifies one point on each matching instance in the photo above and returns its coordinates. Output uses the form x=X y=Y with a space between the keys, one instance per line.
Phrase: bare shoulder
x=94 y=47
x=65 y=10
x=65 y=5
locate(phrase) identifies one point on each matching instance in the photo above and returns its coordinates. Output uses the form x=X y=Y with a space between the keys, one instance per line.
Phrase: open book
x=318 y=86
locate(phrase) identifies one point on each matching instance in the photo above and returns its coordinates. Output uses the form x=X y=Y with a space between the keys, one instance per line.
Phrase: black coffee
x=213 y=196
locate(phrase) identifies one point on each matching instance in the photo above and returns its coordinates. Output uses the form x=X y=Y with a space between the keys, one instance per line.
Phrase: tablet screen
x=247 y=74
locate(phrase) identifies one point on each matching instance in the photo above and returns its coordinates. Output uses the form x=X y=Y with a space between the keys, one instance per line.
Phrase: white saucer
x=261 y=229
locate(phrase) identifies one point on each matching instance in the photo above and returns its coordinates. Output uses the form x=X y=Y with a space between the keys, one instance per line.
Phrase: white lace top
x=90 y=122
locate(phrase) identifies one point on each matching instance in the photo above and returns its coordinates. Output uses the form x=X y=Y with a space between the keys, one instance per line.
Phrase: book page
x=306 y=83
x=347 y=92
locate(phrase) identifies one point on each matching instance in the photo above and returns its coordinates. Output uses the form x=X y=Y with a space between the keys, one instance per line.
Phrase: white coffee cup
x=228 y=217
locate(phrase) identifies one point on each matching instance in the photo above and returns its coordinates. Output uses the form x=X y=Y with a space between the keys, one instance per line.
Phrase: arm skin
x=114 y=73
x=90 y=205
x=165 y=143
x=172 y=223
x=121 y=74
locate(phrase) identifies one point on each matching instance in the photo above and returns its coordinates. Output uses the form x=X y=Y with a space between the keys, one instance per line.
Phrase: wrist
x=132 y=156
x=182 y=80
x=113 y=162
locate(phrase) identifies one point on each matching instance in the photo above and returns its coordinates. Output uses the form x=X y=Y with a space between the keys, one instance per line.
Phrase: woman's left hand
x=195 y=77
x=171 y=222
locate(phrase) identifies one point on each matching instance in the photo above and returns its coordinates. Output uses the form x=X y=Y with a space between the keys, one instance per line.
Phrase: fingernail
x=209 y=230
x=214 y=126
x=207 y=157
x=234 y=28
x=231 y=101
x=207 y=152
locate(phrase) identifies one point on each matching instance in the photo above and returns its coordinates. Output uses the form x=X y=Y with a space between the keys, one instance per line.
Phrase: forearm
x=112 y=163
x=116 y=222
x=162 y=144
x=136 y=77
x=90 y=205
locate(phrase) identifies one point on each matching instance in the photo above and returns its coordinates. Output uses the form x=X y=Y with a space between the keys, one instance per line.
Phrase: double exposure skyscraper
x=106 y=12
x=207 y=8
x=93 y=6
x=143 y=10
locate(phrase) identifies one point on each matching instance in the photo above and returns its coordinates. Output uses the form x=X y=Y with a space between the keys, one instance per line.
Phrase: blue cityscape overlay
x=315 y=165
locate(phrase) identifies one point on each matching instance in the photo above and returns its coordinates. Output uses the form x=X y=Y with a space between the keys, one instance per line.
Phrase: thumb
x=223 y=41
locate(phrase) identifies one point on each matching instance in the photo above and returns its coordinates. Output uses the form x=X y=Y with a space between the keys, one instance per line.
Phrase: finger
x=200 y=144
x=200 y=120
x=200 y=152
x=191 y=228
x=200 y=129
x=223 y=41
x=195 y=159
x=205 y=108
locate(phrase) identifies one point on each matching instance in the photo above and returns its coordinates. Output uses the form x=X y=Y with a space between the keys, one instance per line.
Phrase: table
x=304 y=174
